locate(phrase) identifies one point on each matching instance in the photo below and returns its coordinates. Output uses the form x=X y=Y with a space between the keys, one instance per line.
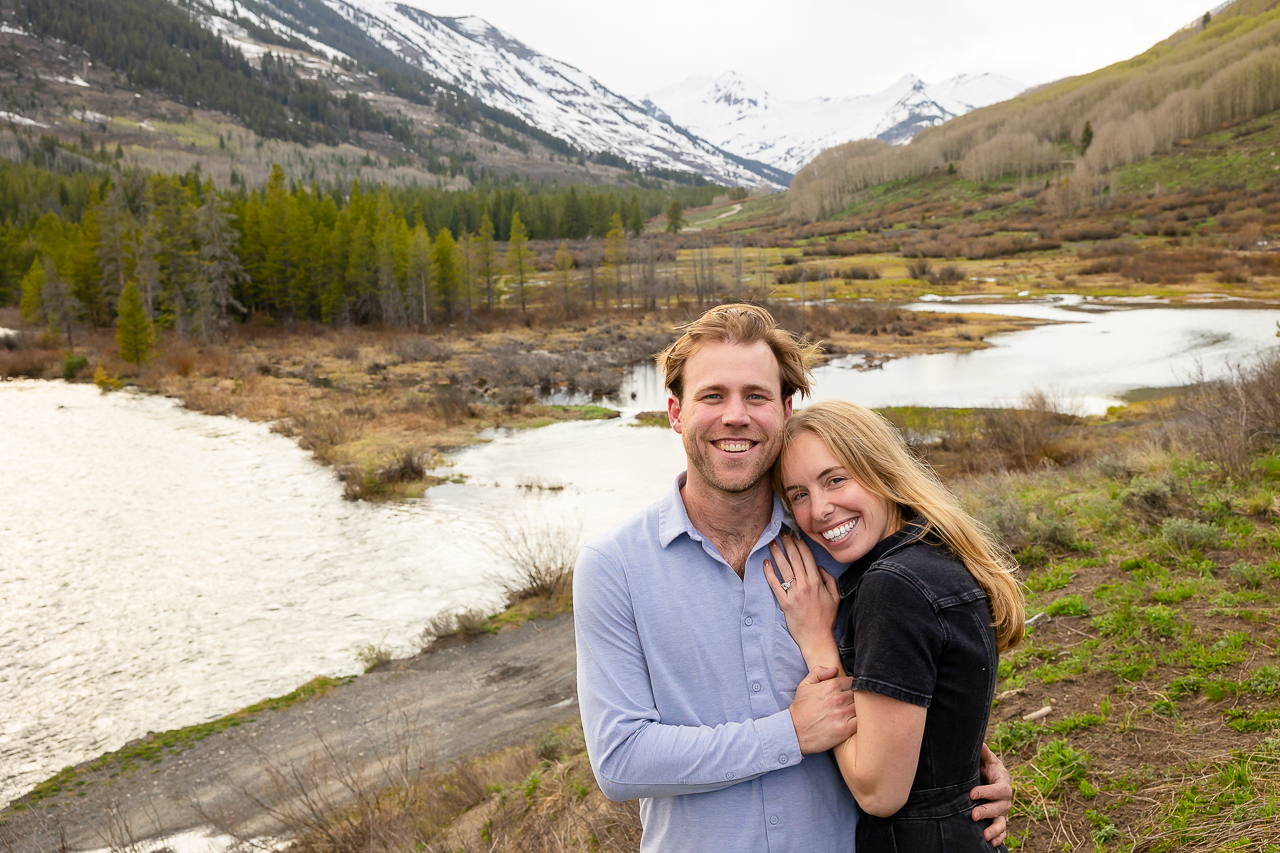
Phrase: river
x=160 y=567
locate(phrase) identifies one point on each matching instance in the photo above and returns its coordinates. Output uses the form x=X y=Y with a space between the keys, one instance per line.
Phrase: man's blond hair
x=742 y=324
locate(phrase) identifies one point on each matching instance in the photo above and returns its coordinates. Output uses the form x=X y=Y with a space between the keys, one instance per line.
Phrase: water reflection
x=162 y=567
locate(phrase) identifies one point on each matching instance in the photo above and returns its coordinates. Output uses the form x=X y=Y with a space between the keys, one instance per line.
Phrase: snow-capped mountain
x=506 y=74
x=739 y=116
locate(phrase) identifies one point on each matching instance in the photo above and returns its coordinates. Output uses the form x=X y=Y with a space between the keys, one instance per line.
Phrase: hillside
x=1220 y=71
x=168 y=87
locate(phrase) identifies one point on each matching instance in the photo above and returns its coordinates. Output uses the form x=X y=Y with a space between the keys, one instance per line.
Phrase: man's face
x=731 y=414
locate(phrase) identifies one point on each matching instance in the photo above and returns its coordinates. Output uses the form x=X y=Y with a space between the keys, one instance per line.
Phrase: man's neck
x=733 y=522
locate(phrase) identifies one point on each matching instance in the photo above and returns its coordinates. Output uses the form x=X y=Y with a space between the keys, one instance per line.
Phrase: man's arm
x=633 y=754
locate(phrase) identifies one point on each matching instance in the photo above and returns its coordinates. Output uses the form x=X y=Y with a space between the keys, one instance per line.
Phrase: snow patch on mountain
x=553 y=96
x=734 y=113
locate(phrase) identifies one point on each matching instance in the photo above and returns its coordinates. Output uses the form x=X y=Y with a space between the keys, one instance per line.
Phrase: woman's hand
x=808 y=597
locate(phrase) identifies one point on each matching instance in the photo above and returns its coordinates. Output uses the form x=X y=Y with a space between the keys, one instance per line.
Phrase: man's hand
x=998 y=791
x=823 y=711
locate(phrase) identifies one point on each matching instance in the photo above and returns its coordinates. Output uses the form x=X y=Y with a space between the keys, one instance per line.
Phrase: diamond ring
x=787 y=586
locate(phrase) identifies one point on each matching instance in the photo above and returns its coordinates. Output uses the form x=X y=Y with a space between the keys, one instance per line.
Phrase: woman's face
x=828 y=504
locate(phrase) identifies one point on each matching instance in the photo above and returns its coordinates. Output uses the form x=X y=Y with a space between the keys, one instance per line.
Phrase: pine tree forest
x=203 y=258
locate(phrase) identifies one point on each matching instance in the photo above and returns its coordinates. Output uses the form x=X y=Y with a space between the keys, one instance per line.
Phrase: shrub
x=542 y=554
x=371 y=657
x=72 y=365
x=1185 y=534
x=1247 y=574
x=422 y=348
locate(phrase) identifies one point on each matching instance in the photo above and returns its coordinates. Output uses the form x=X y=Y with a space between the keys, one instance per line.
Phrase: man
x=687 y=677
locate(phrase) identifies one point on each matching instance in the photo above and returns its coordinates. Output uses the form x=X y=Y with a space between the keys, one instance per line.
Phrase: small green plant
x=1175 y=593
x=1075 y=723
x=1050 y=579
x=1068 y=605
x=1104 y=831
x=1160 y=619
x=1185 y=534
x=530 y=786
x=1265 y=681
x=1056 y=764
x=1013 y=735
x=1265 y=720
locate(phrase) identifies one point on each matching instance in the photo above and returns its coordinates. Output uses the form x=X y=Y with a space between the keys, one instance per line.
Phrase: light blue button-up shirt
x=685 y=677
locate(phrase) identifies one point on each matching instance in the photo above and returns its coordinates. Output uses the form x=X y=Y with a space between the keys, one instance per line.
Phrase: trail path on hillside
x=467 y=699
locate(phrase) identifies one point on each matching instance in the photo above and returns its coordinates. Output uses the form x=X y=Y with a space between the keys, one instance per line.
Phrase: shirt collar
x=673 y=518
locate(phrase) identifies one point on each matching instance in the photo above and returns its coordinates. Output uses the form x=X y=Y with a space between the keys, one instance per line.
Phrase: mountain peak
x=740 y=116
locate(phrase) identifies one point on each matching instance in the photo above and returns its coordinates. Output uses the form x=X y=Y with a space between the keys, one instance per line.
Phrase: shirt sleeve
x=898 y=639
x=633 y=754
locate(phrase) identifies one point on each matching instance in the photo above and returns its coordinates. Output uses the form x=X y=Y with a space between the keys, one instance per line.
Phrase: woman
x=923 y=610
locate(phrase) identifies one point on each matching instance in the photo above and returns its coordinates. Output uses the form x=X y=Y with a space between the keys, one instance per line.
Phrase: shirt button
x=728 y=775
x=782 y=759
x=756 y=687
x=773 y=820
x=746 y=621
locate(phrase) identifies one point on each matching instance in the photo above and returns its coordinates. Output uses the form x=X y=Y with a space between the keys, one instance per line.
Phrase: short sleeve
x=898 y=639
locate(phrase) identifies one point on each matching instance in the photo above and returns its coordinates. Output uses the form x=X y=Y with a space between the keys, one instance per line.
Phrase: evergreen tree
x=86 y=272
x=419 y=273
x=220 y=269
x=31 y=308
x=675 y=217
x=135 y=335
x=635 y=217
x=1086 y=137
x=519 y=257
x=573 y=220
x=444 y=272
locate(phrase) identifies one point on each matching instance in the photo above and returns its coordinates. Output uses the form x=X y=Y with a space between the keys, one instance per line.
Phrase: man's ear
x=673 y=413
x=786 y=408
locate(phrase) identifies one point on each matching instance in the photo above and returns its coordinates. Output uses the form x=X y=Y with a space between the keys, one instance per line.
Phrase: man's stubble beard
x=701 y=461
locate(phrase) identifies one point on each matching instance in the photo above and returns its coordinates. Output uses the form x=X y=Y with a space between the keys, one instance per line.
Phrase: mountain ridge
x=739 y=115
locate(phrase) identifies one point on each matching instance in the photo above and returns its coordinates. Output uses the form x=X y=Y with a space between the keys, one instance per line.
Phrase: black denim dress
x=914 y=625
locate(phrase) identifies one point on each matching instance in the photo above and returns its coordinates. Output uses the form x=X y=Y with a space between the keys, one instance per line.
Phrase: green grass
x=153 y=748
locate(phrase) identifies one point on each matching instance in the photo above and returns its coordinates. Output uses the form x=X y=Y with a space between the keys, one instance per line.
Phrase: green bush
x=72 y=365
x=1186 y=534
x=1248 y=575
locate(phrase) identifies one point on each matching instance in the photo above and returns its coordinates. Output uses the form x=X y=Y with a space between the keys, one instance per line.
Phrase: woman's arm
x=879 y=762
x=809 y=601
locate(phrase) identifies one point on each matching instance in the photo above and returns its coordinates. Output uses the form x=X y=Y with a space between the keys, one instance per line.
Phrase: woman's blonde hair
x=874 y=454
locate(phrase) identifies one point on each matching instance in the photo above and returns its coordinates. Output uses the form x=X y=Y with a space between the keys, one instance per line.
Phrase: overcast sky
x=806 y=48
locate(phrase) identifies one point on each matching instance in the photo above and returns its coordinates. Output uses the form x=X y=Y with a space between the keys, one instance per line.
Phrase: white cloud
x=805 y=48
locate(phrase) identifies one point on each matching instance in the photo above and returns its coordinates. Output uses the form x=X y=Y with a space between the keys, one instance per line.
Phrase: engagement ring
x=787 y=586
